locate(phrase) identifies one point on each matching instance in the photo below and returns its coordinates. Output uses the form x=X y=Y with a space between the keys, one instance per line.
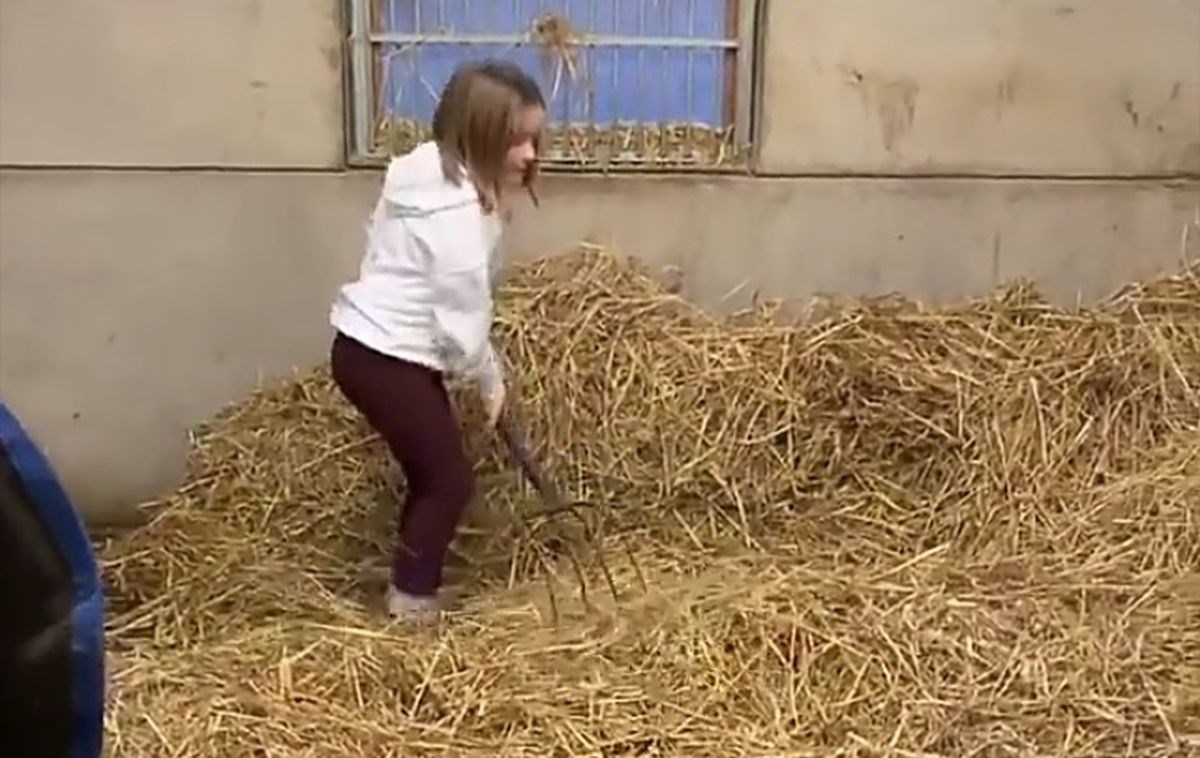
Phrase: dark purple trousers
x=407 y=404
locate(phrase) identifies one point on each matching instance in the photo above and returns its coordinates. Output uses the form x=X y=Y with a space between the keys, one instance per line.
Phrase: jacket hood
x=415 y=184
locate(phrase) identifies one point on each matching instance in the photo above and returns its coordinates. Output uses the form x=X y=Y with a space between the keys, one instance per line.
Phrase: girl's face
x=521 y=151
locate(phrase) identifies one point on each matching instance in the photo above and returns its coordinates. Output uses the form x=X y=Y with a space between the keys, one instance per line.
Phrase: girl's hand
x=495 y=406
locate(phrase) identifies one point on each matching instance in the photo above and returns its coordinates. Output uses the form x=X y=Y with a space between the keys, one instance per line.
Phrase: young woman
x=421 y=307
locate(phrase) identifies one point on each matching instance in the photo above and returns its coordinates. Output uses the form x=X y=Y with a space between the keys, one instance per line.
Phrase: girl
x=421 y=307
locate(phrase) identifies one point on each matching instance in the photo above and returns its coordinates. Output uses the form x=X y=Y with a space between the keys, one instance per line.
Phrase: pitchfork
x=552 y=503
x=514 y=439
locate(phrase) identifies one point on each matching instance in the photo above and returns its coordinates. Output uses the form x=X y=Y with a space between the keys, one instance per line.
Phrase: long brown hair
x=475 y=121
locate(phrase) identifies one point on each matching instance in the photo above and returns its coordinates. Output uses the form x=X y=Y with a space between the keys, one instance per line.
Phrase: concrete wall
x=136 y=301
x=171 y=83
x=1016 y=87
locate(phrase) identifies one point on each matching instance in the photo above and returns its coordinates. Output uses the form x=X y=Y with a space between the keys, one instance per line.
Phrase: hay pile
x=892 y=531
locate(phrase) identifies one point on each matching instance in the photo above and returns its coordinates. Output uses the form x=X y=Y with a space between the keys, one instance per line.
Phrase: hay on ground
x=892 y=531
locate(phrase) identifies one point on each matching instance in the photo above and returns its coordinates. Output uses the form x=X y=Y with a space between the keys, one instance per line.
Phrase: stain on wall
x=987 y=87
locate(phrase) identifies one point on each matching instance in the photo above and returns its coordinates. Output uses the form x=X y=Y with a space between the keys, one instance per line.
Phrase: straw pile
x=622 y=145
x=890 y=531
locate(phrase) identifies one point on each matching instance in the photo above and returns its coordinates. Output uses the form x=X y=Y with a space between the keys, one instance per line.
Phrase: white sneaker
x=407 y=608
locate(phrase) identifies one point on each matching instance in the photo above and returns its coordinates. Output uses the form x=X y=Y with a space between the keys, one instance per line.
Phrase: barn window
x=641 y=84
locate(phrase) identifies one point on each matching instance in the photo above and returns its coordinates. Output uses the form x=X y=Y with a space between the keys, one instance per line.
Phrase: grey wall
x=171 y=83
x=140 y=291
x=1016 y=87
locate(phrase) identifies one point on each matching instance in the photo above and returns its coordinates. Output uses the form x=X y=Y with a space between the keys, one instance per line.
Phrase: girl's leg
x=409 y=406
x=440 y=486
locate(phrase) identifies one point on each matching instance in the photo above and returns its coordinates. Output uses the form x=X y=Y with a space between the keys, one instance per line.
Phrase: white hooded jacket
x=424 y=289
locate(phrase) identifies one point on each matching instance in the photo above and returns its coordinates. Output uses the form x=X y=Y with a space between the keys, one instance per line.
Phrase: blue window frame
x=629 y=83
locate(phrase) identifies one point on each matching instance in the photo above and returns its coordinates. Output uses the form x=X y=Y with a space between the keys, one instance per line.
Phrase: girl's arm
x=462 y=307
x=462 y=316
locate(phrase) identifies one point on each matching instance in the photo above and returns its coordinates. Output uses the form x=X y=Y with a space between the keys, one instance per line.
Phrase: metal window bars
x=637 y=84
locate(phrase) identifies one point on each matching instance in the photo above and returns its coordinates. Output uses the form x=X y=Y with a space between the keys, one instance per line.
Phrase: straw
x=890 y=529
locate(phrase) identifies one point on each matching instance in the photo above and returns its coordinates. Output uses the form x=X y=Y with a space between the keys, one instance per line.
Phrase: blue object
x=66 y=529
x=626 y=84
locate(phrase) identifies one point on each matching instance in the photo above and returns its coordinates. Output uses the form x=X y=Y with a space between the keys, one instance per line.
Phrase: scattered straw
x=891 y=531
